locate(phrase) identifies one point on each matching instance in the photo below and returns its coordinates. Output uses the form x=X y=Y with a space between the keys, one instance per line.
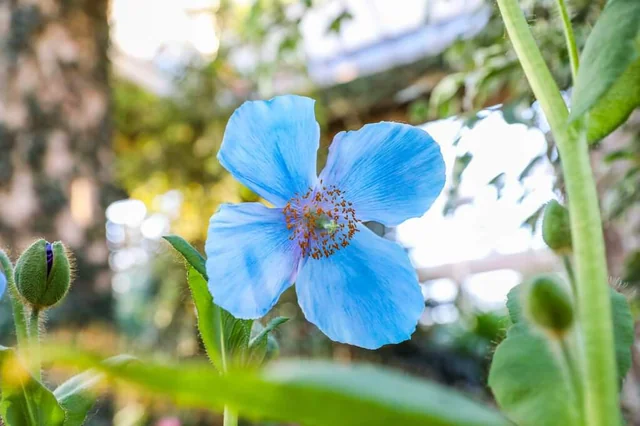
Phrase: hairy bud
x=556 y=229
x=43 y=274
x=549 y=305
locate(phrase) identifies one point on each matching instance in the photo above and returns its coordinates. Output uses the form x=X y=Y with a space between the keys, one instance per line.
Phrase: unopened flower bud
x=556 y=228
x=43 y=274
x=549 y=305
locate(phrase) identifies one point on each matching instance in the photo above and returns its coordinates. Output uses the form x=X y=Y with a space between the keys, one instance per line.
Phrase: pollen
x=322 y=221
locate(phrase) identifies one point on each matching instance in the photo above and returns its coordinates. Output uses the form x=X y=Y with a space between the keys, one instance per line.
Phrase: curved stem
x=601 y=402
x=19 y=317
x=34 y=344
x=570 y=38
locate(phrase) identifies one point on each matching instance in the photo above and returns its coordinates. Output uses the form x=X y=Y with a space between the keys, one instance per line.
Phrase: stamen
x=322 y=221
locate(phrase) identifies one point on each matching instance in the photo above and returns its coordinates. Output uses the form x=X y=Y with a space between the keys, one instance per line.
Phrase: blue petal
x=391 y=172
x=366 y=294
x=3 y=284
x=271 y=147
x=250 y=259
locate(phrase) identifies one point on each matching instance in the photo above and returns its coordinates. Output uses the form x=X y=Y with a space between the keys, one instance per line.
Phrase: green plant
x=562 y=361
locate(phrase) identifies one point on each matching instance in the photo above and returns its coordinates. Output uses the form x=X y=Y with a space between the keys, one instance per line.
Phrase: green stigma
x=326 y=223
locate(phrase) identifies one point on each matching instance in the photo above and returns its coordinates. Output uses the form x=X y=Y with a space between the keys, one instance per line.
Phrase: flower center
x=321 y=221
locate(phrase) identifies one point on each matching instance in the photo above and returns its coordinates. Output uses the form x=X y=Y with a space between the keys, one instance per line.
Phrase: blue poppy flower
x=355 y=286
x=3 y=284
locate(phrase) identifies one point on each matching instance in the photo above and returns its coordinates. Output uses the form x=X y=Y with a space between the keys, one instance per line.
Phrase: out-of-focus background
x=112 y=112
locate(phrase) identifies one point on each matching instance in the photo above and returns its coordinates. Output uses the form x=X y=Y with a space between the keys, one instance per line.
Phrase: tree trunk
x=55 y=138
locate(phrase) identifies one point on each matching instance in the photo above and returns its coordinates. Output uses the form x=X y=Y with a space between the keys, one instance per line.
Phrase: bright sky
x=140 y=28
x=488 y=224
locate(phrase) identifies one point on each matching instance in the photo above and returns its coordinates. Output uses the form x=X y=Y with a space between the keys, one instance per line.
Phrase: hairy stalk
x=34 y=344
x=19 y=317
x=230 y=417
x=570 y=38
x=594 y=307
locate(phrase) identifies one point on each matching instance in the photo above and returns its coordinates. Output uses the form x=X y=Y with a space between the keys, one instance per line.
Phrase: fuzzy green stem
x=570 y=38
x=230 y=417
x=594 y=307
x=19 y=317
x=34 y=344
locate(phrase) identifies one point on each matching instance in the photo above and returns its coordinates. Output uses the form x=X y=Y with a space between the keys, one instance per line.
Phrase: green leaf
x=608 y=53
x=225 y=338
x=308 y=393
x=190 y=254
x=338 y=22
x=26 y=401
x=209 y=317
x=615 y=107
x=77 y=395
x=529 y=377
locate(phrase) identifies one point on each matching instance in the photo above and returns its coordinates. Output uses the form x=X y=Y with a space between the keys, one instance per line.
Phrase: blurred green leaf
x=608 y=53
x=338 y=22
x=460 y=165
x=616 y=105
x=190 y=254
x=77 y=395
x=498 y=182
x=533 y=220
x=632 y=268
x=528 y=376
x=305 y=392
x=25 y=401
x=418 y=111
x=526 y=172
x=443 y=101
x=622 y=154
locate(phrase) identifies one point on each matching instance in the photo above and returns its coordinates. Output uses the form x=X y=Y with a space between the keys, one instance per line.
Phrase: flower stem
x=19 y=317
x=230 y=417
x=570 y=38
x=594 y=307
x=34 y=344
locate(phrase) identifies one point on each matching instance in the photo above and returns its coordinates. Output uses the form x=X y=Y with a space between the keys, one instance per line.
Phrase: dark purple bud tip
x=49 y=250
